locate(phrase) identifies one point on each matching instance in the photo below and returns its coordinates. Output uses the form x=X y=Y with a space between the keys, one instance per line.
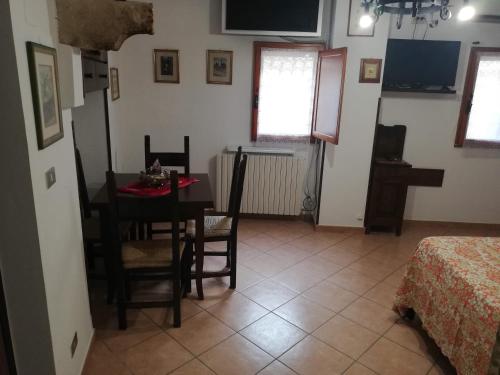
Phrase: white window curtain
x=286 y=93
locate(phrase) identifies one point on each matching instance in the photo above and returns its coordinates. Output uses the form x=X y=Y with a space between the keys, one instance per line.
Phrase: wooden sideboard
x=390 y=177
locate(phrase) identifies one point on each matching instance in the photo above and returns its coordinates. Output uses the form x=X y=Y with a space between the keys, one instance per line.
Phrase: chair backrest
x=126 y=207
x=234 y=180
x=83 y=193
x=235 y=214
x=167 y=159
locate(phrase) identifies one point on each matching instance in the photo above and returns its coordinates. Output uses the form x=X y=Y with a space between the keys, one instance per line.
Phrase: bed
x=453 y=284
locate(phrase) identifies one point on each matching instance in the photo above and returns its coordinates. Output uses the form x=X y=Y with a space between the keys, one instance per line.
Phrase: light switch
x=50 y=176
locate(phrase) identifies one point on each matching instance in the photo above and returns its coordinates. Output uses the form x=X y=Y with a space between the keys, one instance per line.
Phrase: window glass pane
x=286 y=93
x=484 y=118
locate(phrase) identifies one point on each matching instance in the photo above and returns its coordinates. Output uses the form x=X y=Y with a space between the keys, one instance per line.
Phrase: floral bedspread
x=453 y=284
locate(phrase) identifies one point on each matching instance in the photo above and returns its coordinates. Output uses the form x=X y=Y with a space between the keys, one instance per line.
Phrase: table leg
x=108 y=253
x=199 y=248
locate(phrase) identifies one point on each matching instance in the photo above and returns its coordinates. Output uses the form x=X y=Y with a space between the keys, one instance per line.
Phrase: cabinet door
x=102 y=75
x=89 y=75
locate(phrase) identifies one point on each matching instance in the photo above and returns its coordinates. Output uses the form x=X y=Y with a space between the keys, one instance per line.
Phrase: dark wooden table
x=193 y=199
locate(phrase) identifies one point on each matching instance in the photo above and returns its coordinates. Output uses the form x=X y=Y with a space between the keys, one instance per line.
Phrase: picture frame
x=370 y=70
x=114 y=83
x=219 y=67
x=166 y=65
x=44 y=79
x=355 y=13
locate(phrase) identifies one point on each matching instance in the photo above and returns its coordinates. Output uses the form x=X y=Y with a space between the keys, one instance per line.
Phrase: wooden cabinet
x=95 y=75
x=390 y=177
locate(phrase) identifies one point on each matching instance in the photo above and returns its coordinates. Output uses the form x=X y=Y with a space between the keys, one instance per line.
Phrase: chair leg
x=232 y=279
x=189 y=263
x=128 y=294
x=228 y=256
x=149 y=231
x=121 y=307
x=177 y=301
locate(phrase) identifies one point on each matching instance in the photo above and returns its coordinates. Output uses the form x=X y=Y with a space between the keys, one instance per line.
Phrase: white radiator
x=273 y=184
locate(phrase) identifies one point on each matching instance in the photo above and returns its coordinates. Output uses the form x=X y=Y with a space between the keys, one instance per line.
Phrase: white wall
x=471 y=187
x=57 y=209
x=90 y=136
x=347 y=165
x=214 y=116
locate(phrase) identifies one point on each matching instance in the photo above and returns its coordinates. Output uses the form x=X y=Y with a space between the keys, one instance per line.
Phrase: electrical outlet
x=50 y=177
x=74 y=344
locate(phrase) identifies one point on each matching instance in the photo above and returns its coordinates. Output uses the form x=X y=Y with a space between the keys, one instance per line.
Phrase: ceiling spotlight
x=365 y=21
x=466 y=13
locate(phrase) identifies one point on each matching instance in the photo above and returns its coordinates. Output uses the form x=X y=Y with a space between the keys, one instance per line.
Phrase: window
x=479 y=121
x=284 y=85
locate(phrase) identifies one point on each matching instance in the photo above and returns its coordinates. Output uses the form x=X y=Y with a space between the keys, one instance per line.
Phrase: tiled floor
x=306 y=303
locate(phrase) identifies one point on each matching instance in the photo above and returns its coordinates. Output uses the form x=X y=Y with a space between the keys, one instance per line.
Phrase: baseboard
x=91 y=342
x=452 y=223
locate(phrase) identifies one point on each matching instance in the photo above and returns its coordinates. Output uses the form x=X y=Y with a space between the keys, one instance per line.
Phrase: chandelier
x=415 y=8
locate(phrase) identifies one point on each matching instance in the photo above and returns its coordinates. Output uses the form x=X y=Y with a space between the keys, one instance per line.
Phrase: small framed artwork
x=114 y=83
x=369 y=71
x=44 y=78
x=355 y=13
x=166 y=65
x=220 y=67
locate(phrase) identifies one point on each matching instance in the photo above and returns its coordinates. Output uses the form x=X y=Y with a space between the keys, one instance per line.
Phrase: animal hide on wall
x=102 y=24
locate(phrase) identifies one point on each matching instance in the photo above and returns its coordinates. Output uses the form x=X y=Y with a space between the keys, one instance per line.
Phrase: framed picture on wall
x=166 y=65
x=355 y=13
x=114 y=83
x=219 y=67
x=44 y=78
x=369 y=70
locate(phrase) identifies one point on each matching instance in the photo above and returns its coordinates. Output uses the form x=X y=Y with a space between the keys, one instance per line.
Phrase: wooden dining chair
x=147 y=259
x=222 y=228
x=166 y=159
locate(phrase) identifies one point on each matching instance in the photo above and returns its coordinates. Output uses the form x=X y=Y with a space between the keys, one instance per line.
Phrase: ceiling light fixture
x=413 y=8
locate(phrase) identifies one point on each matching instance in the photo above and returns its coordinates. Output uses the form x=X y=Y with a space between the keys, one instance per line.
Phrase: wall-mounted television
x=420 y=64
x=272 y=17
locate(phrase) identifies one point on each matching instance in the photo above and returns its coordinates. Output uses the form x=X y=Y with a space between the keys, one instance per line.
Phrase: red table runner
x=139 y=188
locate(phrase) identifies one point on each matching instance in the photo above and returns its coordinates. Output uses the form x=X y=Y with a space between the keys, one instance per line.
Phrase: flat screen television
x=420 y=64
x=272 y=17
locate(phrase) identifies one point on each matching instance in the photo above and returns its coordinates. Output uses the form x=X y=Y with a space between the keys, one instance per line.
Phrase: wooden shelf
x=424 y=91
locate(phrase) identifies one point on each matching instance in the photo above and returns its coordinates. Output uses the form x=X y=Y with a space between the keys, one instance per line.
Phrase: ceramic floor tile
x=396 y=277
x=312 y=243
x=200 y=333
x=296 y=279
x=330 y=296
x=372 y=269
x=363 y=242
x=357 y=369
x=155 y=356
x=289 y=254
x=245 y=278
x=319 y=266
x=266 y=265
x=100 y=361
x=340 y=256
x=269 y=294
x=383 y=294
x=388 y=358
x=139 y=328
x=273 y=334
x=164 y=317
x=194 y=367
x=370 y=315
x=305 y=314
x=263 y=242
x=412 y=337
x=237 y=311
x=236 y=355
x=215 y=290
x=353 y=281
x=346 y=336
x=312 y=357
x=277 y=368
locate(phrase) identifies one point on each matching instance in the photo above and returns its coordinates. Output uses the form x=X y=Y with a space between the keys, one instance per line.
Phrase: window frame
x=258 y=46
x=468 y=91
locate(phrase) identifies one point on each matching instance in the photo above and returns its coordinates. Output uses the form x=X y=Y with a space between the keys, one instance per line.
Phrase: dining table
x=193 y=200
